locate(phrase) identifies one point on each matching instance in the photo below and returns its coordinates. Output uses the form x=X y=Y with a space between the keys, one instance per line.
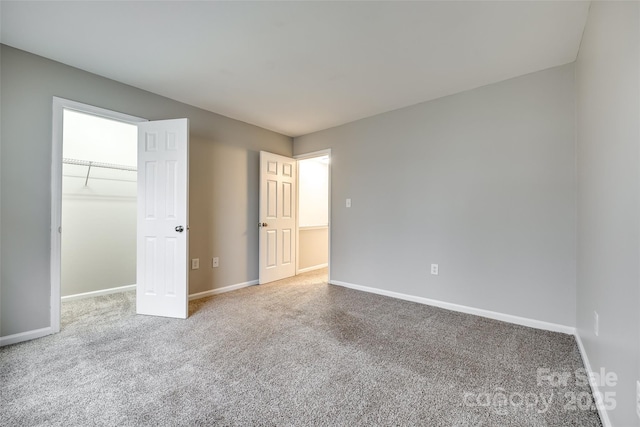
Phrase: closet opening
x=98 y=205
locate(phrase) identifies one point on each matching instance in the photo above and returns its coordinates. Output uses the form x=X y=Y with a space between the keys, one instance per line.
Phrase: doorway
x=162 y=209
x=80 y=169
x=313 y=212
x=294 y=215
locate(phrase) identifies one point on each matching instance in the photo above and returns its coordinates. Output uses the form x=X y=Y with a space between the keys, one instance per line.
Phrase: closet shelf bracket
x=86 y=181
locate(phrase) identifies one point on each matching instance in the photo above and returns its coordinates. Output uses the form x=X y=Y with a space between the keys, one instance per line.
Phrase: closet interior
x=99 y=204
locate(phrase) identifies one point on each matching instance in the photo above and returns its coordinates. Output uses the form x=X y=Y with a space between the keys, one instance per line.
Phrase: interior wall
x=481 y=183
x=313 y=248
x=223 y=181
x=313 y=214
x=99 y=213
x=608 y=141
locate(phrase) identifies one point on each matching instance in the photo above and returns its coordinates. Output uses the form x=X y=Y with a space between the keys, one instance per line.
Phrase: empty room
x=420 y=213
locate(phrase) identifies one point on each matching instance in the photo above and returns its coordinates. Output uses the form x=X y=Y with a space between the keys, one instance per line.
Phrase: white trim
x=58 y=107
x=312 y=268
x=222 y=290
x=26 y=336
x=313 y=154
x=96 y=111
x=604 y=415
x=517 y=320
x=297 y=217
x=98 y=293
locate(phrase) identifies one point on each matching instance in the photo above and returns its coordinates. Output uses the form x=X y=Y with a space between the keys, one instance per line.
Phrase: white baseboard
x=222 y=290
x=313 y=267
x=25 y=336
x=98 y=293
x=604 y=415
x=524 y=321
x=133 y=288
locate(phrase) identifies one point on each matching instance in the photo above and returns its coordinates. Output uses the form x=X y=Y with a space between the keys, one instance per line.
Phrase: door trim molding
x=58 y=107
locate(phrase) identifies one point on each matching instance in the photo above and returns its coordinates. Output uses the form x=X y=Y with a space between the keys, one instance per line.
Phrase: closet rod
x=98 y=164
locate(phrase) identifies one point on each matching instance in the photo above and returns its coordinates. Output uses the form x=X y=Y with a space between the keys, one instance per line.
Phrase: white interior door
x=163 y=201
x=277 y=217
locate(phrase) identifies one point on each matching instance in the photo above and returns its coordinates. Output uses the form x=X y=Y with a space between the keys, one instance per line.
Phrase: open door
x=163 y=231
x=277 y=217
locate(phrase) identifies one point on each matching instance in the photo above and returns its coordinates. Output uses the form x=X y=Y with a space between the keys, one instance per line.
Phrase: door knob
x=179 y=229
x=262 y=224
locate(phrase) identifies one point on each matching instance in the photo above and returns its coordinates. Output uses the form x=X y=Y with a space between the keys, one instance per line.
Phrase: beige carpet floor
x=291 y=353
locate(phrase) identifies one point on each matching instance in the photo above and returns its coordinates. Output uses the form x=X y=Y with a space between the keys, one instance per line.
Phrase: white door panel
x=163 y=201
x=277 y=217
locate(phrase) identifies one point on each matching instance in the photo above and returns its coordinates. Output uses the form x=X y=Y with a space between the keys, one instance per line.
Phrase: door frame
x=305 y=156
x=57 y=127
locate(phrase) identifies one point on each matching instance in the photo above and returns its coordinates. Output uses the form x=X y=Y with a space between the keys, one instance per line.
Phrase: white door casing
x=163 y=202
x=58 y=107
x=277 y=221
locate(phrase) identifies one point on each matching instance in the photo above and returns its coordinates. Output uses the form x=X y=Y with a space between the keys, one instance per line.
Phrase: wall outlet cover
x=195 y=263
x=215 y=262
x=434 y=269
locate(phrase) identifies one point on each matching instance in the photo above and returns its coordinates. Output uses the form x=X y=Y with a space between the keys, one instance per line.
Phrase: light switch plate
x=195 y=263
x=215 y=262
x=348 y=203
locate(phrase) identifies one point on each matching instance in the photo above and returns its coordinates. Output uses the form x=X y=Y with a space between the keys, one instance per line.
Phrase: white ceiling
x=299 y=67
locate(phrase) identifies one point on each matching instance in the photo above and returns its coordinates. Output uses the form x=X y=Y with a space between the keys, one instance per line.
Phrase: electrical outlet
x=638 y=398
x=215 y=262
x=195 y=263
x=434 y=269
x=596 y=323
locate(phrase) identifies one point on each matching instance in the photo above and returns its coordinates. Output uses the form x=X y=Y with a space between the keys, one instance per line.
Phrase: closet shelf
x=90 y=165
x=98 y=164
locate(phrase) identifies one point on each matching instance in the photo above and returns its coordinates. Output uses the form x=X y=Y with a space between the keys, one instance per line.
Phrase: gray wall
x=223 y=178
x=482 y=183
x=608 y=134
